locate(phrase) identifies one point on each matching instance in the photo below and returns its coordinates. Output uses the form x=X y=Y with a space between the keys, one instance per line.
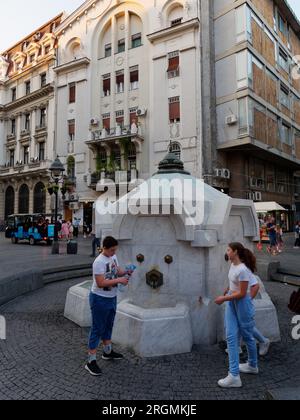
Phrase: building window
x=121 y=45
x=106 y=122
x=24 y=199
x=47 y=49
x=133 y=116
x=26 y=155
x=32 y=58
x=283 y=60
x=39 y=198
x=27 y=122
x=281 y=24
x=108 y=50
x=134 y=78
x=120 y=81
x=286 y=134
x=71 y=127
x=282 y=184
x=136 y=40
x=13 y=94
x=174 y=109
x=13 y=127
x=27 y=88
x=106 y=85
x=176 y=149
x=41 y=152
x=9 y=202
x=11 y=158
x=284 y=96
x=173 y=67
x=120 y=118
x=43 y=116
x=72 y=93
x=43 y=80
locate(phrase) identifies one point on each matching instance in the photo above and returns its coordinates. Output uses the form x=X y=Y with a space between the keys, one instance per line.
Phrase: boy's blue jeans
x=239 y=319
x=103 y=317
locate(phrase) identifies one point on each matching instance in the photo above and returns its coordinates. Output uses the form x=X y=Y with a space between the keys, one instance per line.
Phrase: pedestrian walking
x=297 y=235
x=239 y=314
x=271 y=229
x=65 y=230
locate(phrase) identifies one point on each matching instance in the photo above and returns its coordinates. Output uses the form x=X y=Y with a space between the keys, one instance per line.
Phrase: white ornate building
x=27 y=122
x=128 y=81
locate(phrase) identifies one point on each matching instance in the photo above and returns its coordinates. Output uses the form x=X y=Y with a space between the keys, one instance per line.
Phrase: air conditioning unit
x=257 y=196
x=231 y=119
x=253 y=182
x=73 y=197
x=223 y=173
x=94 y=121
x=141 y=112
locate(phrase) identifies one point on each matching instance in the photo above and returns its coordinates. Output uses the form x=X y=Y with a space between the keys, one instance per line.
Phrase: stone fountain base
x=154 y=332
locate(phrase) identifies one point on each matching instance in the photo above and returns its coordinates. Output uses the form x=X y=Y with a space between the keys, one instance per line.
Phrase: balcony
x=25 y=133
x=99 y=180
x=117 y=133
x=11 y=137
x=20 y=167
x=40 y=128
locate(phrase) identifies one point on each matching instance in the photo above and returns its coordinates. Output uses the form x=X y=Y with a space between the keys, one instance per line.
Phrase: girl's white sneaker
x=264 y=348
x=230 y=382
x=246 y=368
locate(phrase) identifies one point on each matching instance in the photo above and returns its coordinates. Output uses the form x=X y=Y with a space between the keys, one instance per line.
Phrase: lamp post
x=57 y=170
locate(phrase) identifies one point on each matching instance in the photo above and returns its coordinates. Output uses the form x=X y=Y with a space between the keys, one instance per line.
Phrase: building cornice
x=174 y=30
x=76 y=15
x=29 y=98
x=72 y=65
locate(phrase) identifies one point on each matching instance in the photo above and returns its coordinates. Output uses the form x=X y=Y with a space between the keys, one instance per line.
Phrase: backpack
x=294 y=304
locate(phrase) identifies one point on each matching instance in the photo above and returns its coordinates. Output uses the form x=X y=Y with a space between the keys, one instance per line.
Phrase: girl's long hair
x=245 y=255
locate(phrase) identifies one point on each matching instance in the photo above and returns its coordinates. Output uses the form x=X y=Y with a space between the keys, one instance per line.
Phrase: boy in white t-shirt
x=107 y=275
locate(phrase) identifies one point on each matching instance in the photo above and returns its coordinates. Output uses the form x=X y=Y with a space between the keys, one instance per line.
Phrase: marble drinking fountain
x=169 y=304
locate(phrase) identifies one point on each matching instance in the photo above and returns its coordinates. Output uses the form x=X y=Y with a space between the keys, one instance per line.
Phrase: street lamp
x=57 y=170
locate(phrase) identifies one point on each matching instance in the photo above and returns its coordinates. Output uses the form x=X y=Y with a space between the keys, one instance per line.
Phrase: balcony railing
x=25 y=133
x=116 y=132
x=39 y=128
x=11 y=137
x=118 y=177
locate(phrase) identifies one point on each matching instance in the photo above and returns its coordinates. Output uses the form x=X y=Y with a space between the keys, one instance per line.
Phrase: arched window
x=39 y=198
x=24 y=199
x=175 y=15
x=176 y=149
x=9 y=202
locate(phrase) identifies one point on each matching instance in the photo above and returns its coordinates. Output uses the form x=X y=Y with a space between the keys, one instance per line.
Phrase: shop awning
x=268 y=207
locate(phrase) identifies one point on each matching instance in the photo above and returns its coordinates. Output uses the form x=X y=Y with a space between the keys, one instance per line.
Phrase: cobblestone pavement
x=26 y=257
x=44 y=355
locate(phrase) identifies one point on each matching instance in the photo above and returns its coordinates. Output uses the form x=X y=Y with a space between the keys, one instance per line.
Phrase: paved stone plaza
x=44 y=357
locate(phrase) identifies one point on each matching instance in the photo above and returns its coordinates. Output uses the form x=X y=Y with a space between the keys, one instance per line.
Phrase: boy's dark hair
x=110 y=242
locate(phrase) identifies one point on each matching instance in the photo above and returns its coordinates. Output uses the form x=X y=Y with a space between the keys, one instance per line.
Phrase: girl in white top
x=239 y=315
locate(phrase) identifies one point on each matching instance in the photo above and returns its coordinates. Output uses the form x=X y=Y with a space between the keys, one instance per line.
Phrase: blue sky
x=19 y=18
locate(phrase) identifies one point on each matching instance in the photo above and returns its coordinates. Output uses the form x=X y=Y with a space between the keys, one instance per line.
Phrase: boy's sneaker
x=264 y=348
x=230 y=382
x=246 y=368
x=93 y=368
x=112 y=356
